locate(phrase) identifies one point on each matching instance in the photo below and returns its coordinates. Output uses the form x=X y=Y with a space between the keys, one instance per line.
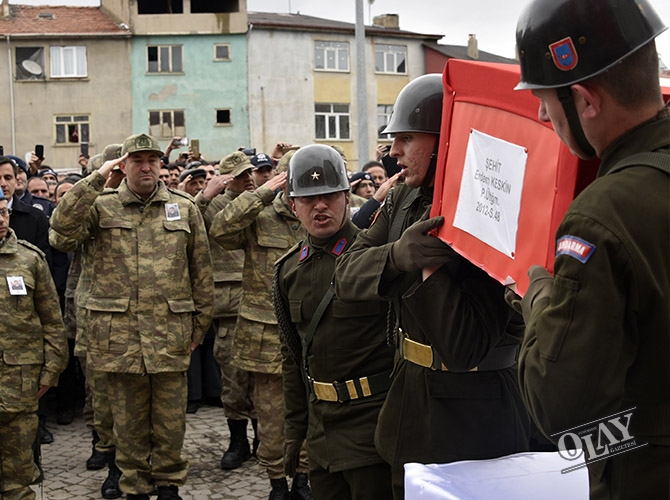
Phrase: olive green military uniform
x=460 y=317
x=33 y=352
x=264 y=226
x=149 y=299
x=601 y=343
x=348 y=346
x=237 y=385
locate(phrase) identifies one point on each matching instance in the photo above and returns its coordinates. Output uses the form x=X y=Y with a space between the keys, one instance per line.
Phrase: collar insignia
x=304 y=253
x=339 y=247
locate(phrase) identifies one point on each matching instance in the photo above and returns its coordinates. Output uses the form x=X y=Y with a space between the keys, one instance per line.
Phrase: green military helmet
x=418 y=107
x=139 y=143
x=235 y=164
x=94 y=163
x=562 y=42
x=316 y=169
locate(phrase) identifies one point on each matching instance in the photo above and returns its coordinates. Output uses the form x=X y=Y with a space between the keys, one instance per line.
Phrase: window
x=160 y=7
x=331 y=56
x=383 y=117
x=68 y=62
x=222 y=52
x=223 y=117
x=72 y=129
x=390 y=58
x=165 y=59
x=332 y=121
x=167 y=123
x=29 y=63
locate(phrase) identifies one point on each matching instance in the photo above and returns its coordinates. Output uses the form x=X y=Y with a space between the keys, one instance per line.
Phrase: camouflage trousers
x=103 y=420
x=237 y=385
x=269 y=399
x=149 y=425
x=17 y=468
x=87 y=413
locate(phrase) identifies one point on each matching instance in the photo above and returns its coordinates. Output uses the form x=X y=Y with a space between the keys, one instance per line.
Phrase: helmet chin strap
x=432 y=167
x=565 y=96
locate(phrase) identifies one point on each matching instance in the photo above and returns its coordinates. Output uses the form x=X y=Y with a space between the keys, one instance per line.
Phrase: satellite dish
x=32 y=67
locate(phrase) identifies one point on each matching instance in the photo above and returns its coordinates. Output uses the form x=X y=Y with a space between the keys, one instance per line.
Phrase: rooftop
x=28 y=20
x=300 y=22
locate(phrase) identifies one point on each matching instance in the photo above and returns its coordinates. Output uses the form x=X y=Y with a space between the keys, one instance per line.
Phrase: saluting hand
x=109 y=165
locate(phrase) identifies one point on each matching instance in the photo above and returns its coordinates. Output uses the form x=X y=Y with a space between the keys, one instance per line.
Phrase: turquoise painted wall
x=205 y=86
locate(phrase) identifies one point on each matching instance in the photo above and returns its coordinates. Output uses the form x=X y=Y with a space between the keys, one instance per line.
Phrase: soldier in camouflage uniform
x=33 y=352
x=237 y=384
x=97 y=410
x=264 y=226
x=337 y=364
x=148 y=306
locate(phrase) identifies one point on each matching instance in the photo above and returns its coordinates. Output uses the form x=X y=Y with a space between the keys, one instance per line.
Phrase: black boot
x=168 y=493
x=238 y=451
x=257 y=442
x=279 y=489
x=110 y=488
x=300 y=488
x=97 y=460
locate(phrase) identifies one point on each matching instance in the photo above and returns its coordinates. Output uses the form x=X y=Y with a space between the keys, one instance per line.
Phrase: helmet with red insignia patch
x=316 y=169
x=562 y=42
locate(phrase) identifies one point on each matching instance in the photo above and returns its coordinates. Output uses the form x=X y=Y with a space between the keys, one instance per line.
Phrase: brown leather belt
x=423 y=355
x=351 y=389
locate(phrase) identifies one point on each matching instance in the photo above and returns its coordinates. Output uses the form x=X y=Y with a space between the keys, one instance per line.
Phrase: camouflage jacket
x=264 y=226
x=227 y=265
x=33 y=347
x=78 y=279
x=151 y=283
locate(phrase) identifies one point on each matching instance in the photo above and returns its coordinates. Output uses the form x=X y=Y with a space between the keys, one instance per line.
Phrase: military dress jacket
x=33 y=347
x=150 y=292
x=227 y=265
x=263 y=225
x=601 y=343
x=435 y=416
x=349 y=343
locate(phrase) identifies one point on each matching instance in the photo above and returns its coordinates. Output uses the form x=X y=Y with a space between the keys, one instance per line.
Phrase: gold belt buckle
x=325 y=392
x=417 y=353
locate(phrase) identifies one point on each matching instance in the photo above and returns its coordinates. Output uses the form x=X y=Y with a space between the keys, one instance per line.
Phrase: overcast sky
x=493 y=21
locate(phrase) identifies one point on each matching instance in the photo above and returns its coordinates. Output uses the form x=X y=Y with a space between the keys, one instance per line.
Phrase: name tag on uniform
x=16 y=285
x=172 y=211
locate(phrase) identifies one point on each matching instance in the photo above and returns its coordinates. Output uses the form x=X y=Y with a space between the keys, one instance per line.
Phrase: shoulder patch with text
x=575 y=247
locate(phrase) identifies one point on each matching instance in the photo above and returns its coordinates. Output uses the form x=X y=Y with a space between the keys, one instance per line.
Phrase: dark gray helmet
x=562 y=42
x=316 y=169
x=418 y=107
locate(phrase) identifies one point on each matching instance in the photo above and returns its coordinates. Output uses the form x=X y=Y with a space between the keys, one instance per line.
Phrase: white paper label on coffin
x=490 y=194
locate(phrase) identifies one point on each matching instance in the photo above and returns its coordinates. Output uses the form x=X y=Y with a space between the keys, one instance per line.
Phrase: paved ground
x=66 y=477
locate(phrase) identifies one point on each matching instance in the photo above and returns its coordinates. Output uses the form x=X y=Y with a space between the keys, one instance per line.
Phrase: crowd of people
x=315 y=303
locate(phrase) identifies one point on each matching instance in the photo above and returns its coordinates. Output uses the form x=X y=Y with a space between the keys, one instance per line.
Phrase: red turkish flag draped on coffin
x=504 y=179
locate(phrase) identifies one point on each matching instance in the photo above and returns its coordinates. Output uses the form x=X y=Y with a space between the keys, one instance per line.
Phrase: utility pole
x=361 y=87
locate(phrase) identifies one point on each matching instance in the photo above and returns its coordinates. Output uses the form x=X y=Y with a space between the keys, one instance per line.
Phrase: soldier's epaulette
x=183 y=194
x=27 y=244
x=288 y=253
